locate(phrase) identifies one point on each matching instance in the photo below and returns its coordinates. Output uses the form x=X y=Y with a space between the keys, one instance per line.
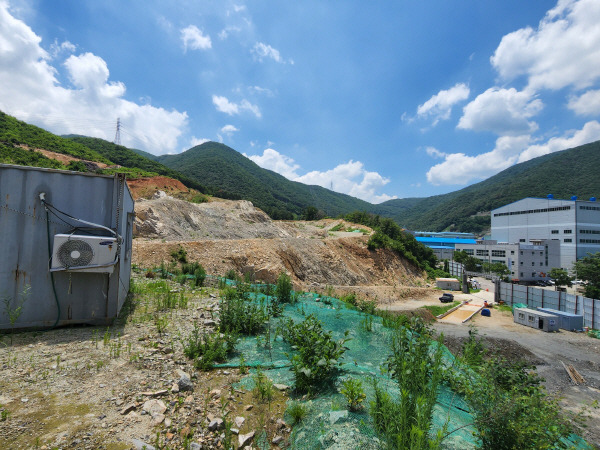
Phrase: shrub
x=317 y=356
x=417 y=368
x=231 y=275
x=179 y=255
x=240 y=316
x=207 y=348
x=283 y=290
x=512 y=410
x=200 y=276
x=353 y=391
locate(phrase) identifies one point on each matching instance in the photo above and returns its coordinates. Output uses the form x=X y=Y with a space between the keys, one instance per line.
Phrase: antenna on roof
x=117 y=140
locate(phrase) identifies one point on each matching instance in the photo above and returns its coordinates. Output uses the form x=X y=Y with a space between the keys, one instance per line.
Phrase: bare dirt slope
x=224 y=235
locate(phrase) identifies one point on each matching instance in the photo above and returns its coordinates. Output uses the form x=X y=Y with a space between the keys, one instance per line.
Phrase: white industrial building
x=527 y=261
x=574 y=223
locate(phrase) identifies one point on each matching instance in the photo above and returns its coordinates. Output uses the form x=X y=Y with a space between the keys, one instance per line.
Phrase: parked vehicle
x=447 y=298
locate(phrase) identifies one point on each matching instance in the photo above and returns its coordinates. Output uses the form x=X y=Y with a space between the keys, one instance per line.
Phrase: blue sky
x=378 y=100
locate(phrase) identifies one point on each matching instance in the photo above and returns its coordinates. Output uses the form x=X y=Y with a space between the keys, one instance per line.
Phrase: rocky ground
x=128 y=386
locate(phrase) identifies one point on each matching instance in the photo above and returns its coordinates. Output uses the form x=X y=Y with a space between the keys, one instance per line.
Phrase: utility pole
x=117 y=140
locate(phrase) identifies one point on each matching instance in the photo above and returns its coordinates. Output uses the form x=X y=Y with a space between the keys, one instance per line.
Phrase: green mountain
x=219 y=166
x=564 y=174
x=219 y=170
x=133 y=159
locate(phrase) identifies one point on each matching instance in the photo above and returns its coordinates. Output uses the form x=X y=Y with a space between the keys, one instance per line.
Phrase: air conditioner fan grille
x=75 y=253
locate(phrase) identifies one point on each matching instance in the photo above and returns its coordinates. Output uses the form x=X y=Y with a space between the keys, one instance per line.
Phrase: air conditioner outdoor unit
x=84 y=253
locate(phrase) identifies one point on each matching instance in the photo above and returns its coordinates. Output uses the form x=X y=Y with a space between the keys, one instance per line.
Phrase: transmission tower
x=117 y=140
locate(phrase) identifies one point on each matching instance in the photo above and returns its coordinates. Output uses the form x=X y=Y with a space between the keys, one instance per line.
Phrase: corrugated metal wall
x=543 y=298
x=24 y=258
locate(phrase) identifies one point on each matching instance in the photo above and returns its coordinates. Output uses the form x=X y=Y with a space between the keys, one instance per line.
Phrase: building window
x=567 y=231
x=512 y=252
x=521 y=316
x=469 y=251
x=521 y=252
x=589 y=231
x=541 y=263
x=521 y=263
x=521 y=240
x=554 y=231
x=532 y=263
x=568 y=240
x=500 y=253
x=521 y=273
x=589 y=241
x=482 y=252
x=512 y=263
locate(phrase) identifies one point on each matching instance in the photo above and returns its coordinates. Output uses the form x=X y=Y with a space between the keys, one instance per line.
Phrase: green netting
x=329 y=424
x=518 y=305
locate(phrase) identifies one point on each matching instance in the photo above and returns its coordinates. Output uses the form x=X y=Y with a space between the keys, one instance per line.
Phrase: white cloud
x=573 y=138
x=275 y=161
x=193 y=39
x=440 y=105
x=225 y=32
x=197 y=141
x=588 y=104
x=228 y=130
x=434 y=152
x=461 y=169
x=502 y=111
x=261 y=51
x=349 y=178
x=29 y=90
x=224 y=105
x=66 y=46
x=564 y=49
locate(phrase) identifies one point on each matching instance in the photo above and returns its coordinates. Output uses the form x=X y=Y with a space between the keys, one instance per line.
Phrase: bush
x=283 y=290
x=353 y=391
x=207 y=348
x=240 y=316
x=200 y=276
x=317 y=356
x=179 y=255
x=417 y=368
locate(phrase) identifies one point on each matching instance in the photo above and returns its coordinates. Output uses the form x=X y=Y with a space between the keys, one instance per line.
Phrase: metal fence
x=535 y=297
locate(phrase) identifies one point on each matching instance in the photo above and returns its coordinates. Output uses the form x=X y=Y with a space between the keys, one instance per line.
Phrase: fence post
x=576 y=305
x=559 y=300
x=512 y=294
x=593 y=307
x=543 y=298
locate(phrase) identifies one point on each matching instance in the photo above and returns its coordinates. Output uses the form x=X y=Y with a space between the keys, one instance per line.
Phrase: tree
x=588 y=269
x=499 y=269
x=561 y=277
x=311 y=213
x=471 y=263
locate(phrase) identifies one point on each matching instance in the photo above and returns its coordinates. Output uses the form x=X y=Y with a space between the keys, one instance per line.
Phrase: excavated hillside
x=225 y=234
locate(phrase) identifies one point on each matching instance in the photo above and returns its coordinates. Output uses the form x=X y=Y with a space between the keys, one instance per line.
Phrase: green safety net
x=518 y=305
x=329 y=423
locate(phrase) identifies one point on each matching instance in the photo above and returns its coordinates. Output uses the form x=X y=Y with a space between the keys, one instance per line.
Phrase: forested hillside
x=220 y=166
x=565 y=173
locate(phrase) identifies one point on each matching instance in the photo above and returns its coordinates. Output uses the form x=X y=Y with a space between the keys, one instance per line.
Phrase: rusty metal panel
x=24 y=248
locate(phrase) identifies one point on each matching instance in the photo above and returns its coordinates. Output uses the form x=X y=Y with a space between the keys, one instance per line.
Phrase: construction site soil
x=86 y=387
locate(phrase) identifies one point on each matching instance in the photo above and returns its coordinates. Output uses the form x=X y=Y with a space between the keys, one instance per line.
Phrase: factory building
x=526 y=261
x=574 y=224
